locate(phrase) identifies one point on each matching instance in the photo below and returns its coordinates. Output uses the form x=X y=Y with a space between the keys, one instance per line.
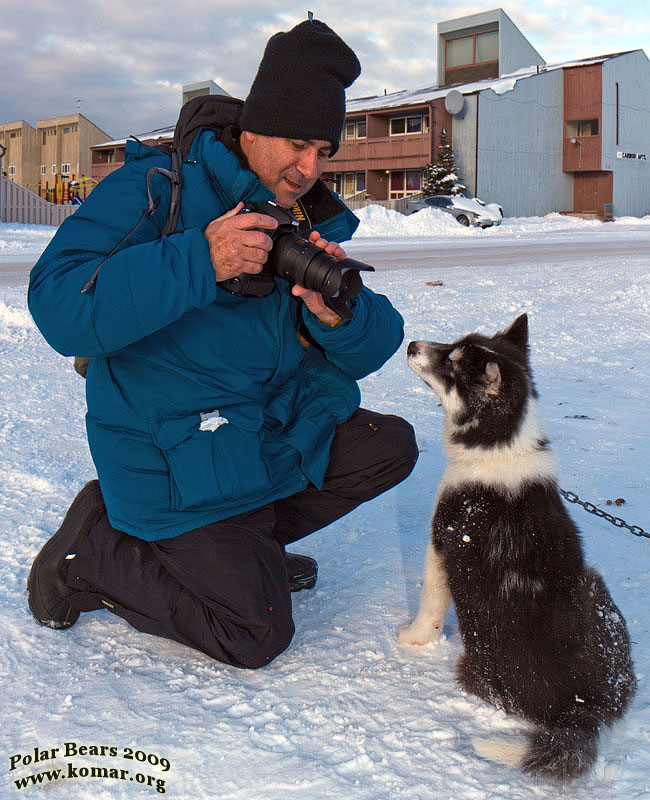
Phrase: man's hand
x=235 y=245
x=314 y=300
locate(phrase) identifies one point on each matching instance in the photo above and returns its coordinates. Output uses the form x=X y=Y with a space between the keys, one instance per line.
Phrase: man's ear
x=246 y=138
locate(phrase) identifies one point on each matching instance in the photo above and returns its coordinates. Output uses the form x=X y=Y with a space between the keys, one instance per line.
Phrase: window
x=413 y=180
x=460 y=51
x=404 y=182
x=438 y=202
x=348 y=183
x=414 y=124
x=43 y=169
x=582 y=127
x=67 y=129
x=53 y=169
x=14 y=135
x=355 y=129
x=476 y=48
x=65 y=169
x=487 y=47
x=11 y=170
x=354 y=182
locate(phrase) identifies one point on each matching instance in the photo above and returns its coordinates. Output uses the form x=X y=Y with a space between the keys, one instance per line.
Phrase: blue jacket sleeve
x=148 y=283
x=361 y=345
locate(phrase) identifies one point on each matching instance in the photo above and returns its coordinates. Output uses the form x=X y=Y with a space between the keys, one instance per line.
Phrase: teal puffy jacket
x=201 y=404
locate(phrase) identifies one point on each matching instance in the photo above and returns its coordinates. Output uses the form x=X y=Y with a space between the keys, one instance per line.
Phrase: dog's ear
x=492 y=378
x=517 y=333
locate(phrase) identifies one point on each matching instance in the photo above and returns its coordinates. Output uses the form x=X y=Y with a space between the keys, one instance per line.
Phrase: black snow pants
x=223 y=588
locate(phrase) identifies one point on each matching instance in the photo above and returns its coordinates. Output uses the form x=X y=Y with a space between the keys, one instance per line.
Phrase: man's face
x=287 y=167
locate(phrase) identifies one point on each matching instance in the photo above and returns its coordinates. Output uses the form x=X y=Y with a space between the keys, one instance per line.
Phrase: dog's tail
x=558 y=753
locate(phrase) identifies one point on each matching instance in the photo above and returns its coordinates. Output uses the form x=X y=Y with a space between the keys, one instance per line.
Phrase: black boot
x=46 y=587
x=302 y=571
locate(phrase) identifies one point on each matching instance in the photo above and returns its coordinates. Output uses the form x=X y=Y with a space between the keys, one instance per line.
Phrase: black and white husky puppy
x=542 y=637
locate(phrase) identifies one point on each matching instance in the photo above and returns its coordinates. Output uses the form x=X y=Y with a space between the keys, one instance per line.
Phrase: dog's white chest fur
x=504 y=467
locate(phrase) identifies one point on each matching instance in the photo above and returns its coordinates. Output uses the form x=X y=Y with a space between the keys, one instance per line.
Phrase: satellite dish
x=454 y=102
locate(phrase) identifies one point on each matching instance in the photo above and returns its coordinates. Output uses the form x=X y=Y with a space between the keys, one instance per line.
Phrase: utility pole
x=3 y=150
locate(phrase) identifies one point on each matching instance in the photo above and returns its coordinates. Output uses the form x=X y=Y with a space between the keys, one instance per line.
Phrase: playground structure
x=64 y=192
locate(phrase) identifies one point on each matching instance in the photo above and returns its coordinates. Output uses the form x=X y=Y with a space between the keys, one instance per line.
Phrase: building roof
x=157 y=133
x=409 y=97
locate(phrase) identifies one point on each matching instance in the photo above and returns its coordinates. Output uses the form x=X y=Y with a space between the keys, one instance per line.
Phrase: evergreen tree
x=441 y=177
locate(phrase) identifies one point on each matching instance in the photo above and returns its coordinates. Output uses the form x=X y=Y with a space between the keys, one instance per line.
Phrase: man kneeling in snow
x=223 y=427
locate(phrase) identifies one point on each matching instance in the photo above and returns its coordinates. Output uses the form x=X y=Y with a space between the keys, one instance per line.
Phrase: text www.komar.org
x=75 y=771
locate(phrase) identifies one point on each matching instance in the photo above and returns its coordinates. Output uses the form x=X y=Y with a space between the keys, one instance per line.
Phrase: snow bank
x=17 y=240
x=346 y=712
x=377 y=221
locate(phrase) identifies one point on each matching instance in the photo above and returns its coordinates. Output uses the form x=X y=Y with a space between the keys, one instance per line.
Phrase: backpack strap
x=213 y=111
x=175 y=177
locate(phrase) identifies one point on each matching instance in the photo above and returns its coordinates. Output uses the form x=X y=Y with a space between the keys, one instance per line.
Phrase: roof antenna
x=310 y=16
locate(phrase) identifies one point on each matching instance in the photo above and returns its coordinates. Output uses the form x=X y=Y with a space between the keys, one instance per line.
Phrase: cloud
x=126 y=61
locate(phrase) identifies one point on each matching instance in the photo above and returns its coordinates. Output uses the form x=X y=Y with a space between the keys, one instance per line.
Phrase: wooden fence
x=18 y=204
x=361 y=200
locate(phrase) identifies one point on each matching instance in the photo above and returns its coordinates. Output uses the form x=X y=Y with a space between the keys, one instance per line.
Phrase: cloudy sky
x=122 y=64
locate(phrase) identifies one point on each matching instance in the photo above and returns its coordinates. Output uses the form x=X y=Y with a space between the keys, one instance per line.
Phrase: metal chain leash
x=570 y=497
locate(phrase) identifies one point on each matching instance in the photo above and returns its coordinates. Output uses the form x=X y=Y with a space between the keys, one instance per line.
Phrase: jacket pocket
x=210 y=467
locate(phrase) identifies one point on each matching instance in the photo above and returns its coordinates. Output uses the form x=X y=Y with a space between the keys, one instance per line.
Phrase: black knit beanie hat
x=299 y=89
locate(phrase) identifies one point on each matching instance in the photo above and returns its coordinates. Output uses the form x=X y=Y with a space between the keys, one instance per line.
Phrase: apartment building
x=66 y=145
x=21 y=152
x=535 y=137
x=46 y=158
x=107 y=156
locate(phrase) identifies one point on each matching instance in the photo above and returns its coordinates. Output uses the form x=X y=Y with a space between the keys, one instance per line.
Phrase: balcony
x=385 y=152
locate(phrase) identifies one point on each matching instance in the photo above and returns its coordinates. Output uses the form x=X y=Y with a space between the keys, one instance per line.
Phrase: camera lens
x=299 y=261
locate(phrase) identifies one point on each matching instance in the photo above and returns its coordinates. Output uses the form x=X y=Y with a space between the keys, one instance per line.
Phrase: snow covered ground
x=346 y=712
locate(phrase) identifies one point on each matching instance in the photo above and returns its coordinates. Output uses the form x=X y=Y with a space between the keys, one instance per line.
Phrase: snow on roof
x=501 y=85
x=157 y=133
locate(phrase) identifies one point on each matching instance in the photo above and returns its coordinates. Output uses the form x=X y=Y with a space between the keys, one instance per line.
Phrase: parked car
x=467 y=211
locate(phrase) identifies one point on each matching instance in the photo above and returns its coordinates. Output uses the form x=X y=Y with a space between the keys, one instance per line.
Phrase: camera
x=299 y=261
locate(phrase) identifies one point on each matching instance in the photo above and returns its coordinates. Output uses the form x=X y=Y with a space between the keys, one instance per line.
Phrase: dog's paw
x=416 y=634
